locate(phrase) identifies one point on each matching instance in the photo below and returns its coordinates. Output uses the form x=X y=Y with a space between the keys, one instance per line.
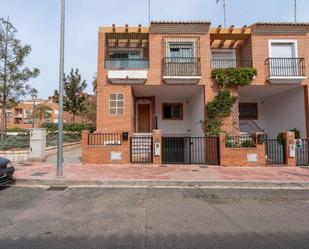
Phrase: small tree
x=74 y=96
x=89 y=113
x=94 y=84
x=13 y=74
x=42 y=111
x=34 y=94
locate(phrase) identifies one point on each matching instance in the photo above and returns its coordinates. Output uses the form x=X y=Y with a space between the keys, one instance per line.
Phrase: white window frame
x=282 y=41
x=116 y=108
x=184 y=41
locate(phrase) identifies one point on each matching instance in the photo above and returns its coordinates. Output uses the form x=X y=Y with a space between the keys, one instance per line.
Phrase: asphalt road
x=88 y=218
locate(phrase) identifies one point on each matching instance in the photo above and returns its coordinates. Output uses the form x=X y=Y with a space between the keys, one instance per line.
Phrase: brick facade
x=249 y=43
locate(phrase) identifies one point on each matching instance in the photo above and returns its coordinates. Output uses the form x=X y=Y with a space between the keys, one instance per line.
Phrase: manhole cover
x=57 y=188
x=39 y=174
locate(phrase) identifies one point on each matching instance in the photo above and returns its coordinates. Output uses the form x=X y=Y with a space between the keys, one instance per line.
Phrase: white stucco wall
x=197 y=107
x=286 y=111
x=281 y=112
x=193 y=112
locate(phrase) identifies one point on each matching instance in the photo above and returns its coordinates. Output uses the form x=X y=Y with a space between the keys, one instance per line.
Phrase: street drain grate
x=39 y=174
x=57 y=188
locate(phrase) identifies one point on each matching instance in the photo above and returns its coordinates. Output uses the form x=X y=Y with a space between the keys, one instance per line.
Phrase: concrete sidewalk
x=172 y=175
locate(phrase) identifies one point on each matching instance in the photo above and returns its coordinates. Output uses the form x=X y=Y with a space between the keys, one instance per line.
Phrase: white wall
x=286 y=111
x=193 y=112
x=197 y=108
x=281 y=112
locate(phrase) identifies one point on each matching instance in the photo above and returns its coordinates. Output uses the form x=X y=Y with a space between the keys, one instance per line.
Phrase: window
x=124 y=55
x=116 y=104
x=27 y=121
x=27 y=113
x=248 y=111
x=8 y=116
x=223 y=58
x=172 y=111
x=181 y=50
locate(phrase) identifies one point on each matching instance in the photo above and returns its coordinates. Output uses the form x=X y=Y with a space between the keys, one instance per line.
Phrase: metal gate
x=190 y=150
x=302 y=153
x=141 y=149
x=275 y=152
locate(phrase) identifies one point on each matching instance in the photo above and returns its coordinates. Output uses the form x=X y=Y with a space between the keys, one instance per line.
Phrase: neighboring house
x=21 y=115
x=160 y=78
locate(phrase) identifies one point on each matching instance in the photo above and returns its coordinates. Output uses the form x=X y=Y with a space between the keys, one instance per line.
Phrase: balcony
x=286 y=70
x=181 y=70
x=126 y=57
x=230 y=63
x=123 y=64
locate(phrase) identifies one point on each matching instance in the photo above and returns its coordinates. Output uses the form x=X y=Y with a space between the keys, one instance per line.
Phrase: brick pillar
x=157 y=138
x=289 y=138
x=84 y=146
x=261 y=151
x=222 y=149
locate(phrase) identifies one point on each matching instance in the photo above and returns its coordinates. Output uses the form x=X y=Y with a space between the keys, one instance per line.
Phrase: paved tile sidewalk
x=156 y=172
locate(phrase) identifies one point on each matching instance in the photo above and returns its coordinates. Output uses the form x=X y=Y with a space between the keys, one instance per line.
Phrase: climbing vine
x=229 y=77
x=218 y=109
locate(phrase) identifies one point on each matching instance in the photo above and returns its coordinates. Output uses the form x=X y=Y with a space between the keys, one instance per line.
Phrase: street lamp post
x=60 y=105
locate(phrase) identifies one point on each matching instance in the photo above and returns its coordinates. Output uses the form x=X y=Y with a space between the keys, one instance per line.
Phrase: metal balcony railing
x=226 y=63
x=288 y=67
x=126 y=63
x=181 y=66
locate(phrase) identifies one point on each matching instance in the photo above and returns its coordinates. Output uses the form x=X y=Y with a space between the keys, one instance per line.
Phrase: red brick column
x=222 y=148
x=157 y=138
x=261 y=150
x=84 y=144
x=289 y=138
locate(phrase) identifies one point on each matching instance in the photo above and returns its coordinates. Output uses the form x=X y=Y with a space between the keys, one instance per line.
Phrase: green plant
x=16 y=129
x=280 y=137
x=248 y=144
x=230 y=77
x=297 y=133
x=70 y=127
x=217 y=109
x=14 y=75
x=211 y=127
x=74 y=96
x=15 y=142
x=229 y=141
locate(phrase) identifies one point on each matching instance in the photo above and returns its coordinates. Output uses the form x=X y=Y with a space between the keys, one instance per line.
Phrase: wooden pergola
x=228 y=37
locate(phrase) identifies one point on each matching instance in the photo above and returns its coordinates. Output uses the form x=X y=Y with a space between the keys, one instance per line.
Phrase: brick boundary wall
x=101 y=154
x=238 y=156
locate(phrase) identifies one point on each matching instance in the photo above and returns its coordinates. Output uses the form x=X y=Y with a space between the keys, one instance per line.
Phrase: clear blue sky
x=38 y=23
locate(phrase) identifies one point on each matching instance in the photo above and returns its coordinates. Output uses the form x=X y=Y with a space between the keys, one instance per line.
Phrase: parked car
x=6 y=171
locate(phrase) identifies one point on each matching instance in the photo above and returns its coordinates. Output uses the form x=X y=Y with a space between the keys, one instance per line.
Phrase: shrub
x=280 y=138
x=16 y=129
x=297 y=133
x=52 y=138
x=248 y=144
x=217 y=109
x=70 y=127
x=15 y=142
x=233 y=76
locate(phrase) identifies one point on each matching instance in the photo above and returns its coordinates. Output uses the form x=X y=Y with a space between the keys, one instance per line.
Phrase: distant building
x=21 y=115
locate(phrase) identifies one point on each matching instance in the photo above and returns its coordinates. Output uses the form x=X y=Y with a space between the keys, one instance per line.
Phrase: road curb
x=165 y=183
